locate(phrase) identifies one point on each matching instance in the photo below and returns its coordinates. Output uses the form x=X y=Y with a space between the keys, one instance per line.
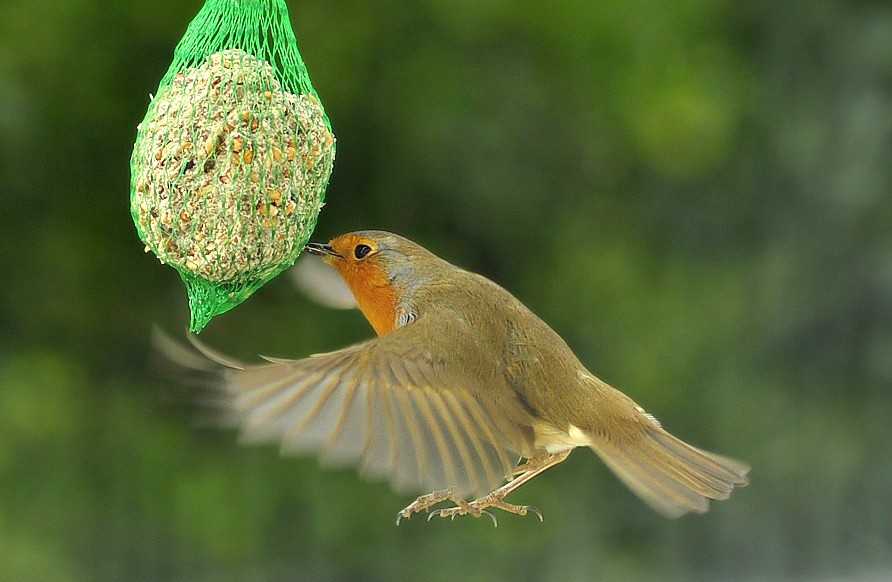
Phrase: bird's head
x=382 y=270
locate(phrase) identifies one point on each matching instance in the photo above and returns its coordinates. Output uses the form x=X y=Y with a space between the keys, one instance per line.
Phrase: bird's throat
x=376 y=296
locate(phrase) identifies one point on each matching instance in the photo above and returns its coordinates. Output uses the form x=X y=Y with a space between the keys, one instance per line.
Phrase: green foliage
x=695 y=194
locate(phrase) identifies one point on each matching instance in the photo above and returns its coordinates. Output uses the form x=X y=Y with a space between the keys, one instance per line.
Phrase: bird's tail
x=668 y=474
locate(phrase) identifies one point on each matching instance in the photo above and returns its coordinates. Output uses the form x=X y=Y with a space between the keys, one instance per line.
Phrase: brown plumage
x=461 y=384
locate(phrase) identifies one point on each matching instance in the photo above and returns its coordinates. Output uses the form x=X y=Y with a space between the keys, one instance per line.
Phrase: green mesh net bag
x=232 y=159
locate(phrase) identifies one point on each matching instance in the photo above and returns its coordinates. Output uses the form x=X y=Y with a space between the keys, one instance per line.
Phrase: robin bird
x=462 y=383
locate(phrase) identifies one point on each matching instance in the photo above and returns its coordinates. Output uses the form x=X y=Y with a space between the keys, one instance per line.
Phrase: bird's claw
x=536 y=511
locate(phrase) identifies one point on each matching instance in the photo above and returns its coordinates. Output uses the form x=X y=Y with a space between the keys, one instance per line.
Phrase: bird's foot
x=482 y=506
x=475 y=508
x=492 y=500
x=425 y=502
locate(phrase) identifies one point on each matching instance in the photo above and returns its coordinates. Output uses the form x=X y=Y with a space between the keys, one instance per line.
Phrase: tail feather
x=670 y=475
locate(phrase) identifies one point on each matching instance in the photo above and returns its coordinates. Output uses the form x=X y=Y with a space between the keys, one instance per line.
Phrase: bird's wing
x=391 y=405
x=321 y=283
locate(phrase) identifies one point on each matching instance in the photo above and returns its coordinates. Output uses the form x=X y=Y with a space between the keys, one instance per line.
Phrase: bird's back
x=529 y=355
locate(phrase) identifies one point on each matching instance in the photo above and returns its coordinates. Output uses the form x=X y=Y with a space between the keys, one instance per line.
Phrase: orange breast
x=376 y=297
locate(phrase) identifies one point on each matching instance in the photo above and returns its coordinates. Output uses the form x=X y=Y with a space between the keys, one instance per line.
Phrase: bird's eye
x=361 y=251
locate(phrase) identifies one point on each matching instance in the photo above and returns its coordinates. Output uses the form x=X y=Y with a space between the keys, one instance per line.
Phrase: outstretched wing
x=392 y=405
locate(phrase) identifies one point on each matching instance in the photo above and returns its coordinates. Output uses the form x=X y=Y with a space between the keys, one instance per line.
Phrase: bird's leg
x=532 y=462
x=494 y=499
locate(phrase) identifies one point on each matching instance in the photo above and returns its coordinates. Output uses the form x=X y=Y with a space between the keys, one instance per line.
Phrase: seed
x=192 y=218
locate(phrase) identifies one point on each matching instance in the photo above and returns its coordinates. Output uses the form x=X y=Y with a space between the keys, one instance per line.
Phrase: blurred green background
x=696 y=194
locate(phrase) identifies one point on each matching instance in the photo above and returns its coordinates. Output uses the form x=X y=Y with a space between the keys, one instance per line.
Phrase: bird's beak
x=322 y=250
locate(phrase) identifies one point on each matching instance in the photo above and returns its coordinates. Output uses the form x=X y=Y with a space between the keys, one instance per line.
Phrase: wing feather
x=379 y=449
x=441 y=461
x=318 y=422
x=350 y=434
x=413 y=453
x=480 y=436
x=391 y=405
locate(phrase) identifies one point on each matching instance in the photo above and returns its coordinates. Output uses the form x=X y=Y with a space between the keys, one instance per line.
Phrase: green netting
x=232 y=159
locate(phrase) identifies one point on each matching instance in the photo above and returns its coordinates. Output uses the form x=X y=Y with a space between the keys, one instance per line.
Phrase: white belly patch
x=555 y=440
